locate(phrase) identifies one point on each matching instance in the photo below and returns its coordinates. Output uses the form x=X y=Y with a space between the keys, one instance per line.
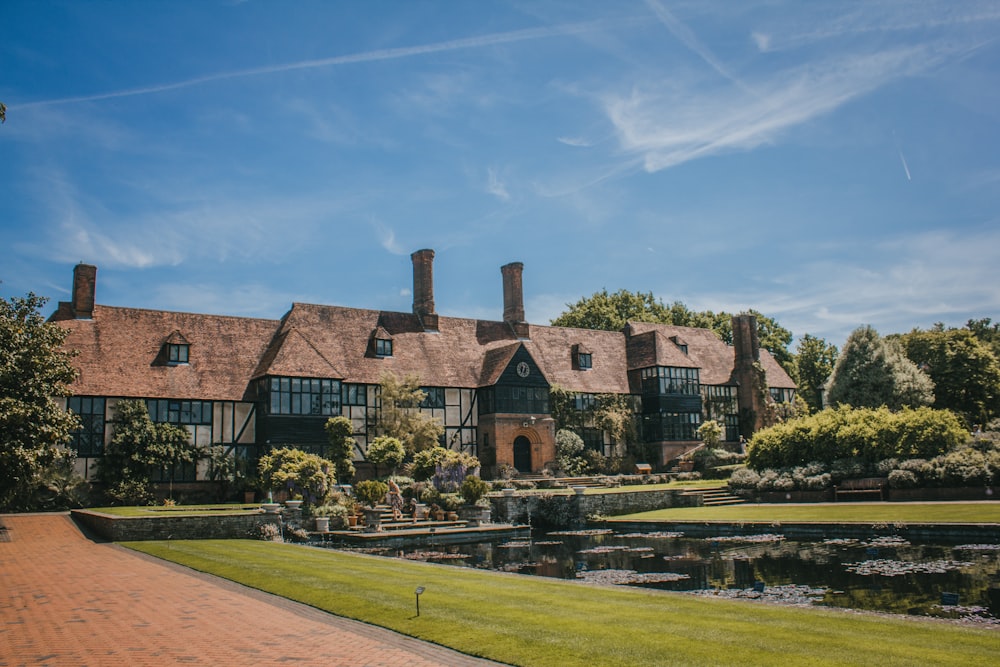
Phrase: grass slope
x=952 y=512
x=535 y=621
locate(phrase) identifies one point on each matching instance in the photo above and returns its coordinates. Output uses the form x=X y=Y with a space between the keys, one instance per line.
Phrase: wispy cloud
x=672 y=125
x=908 y=281
x=575 y=141
x=387 y=238
x=495 y=186
x=478 y=42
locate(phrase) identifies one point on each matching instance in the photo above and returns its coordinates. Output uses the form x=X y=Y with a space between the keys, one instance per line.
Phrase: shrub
x=744 y=478
x=304 y=475
x=902 y=479
x=869 y=435
x=371 y=491
x=474 y=489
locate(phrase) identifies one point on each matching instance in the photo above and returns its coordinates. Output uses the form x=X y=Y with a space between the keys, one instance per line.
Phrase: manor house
x=252 y=384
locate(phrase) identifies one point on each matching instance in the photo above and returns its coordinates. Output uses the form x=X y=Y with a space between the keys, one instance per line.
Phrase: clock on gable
x=523 y=369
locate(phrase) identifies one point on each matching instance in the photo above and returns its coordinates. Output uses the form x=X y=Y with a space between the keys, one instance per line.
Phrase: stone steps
x=715 y=496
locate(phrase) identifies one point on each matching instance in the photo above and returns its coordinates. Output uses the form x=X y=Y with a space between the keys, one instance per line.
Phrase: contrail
x=905 y=167
x=369 y=56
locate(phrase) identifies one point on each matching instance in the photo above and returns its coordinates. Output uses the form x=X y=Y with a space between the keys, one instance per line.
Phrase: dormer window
x=176 y=349
x=177 y=353
x=582 y=358
x=680 y=343
x=380 y=343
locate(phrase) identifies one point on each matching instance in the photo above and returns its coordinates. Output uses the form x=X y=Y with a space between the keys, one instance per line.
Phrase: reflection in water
x=883 y=574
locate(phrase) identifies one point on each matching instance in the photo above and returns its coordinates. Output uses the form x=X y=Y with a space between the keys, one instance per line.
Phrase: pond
x=885 y=574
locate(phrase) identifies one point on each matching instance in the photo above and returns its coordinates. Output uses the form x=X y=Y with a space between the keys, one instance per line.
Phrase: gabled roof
x=119 y=348
x=292 y=354
x=714 y=357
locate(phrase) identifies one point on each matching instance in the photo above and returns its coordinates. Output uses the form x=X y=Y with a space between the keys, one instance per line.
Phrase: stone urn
x=271 y=508
x=373 y=520
x=322 y=524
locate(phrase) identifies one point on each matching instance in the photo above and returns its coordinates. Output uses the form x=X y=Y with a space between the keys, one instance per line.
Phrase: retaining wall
x=572 y=510
x=136 y=529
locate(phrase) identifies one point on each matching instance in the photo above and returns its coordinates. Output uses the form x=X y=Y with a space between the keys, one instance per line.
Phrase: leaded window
x=303 y=396
x=670 y=380
x=383 y=347
x=177 y=354
x=434 y=397
x=354 y=394
x=514 y=400
x=180 y=412
x=669 y=426
x=89 y=440
x=584 y=361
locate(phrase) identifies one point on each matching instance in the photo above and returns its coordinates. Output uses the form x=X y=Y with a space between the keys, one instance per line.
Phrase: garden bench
x=864 y=485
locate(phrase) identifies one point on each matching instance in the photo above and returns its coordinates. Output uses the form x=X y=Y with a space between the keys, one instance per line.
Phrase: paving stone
x=67 y=600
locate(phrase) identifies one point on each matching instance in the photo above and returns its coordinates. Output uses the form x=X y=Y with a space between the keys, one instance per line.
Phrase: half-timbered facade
x=251 y=384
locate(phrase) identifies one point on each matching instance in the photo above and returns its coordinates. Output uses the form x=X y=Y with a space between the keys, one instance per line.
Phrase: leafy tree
x=139 y=445
x=964 y=369
x=569 y=447
x=814 y=362
x=425 y=463
x=307 y=476
x=473 y=489
x=611 y=312
x=987 y=331
x=385 y=450
x=710 y=433
x=400 y=416
x=338 y=432
x=873 y=372
x=34 y=371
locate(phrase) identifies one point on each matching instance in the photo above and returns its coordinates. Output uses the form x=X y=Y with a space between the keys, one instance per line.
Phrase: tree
x=872 y=372
x=710 y=433
x=342 y=444
x=307 y=476
x=385 y=450
x=34 y=371
x=139 y=445
x=814 y=362
x=400 y=416
x=569 y=447
x=987 y=331
x=611 y=312
x=964 y=369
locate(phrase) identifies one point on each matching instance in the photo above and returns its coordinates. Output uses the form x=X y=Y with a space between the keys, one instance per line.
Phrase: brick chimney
x=423 y=288
x=84 y=288
x=746 y=371
x=513 y=298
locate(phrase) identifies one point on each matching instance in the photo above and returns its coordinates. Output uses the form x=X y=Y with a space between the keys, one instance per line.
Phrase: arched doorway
x=522 y=454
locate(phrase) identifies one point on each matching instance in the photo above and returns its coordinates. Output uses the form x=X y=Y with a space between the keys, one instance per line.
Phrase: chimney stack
x=84 y=288
x=751 y=380
x=513 y=298
x=423 y=288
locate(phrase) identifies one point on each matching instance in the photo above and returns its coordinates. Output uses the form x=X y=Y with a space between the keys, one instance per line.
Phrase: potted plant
x=473 y=490
x=370 y=492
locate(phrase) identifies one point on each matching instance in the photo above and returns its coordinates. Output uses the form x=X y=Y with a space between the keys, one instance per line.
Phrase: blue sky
x=830 y=164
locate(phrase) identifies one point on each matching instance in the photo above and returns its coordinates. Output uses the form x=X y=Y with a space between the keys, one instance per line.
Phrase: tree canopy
x=964 y=369
x=872 y=372
x=138 y=446
x=400 y=416
x=34 y=371
x=611 y=312
x=814 y=362
x=339 y=432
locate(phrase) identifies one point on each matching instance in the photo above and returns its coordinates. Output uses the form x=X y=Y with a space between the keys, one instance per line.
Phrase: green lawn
x=525 y=620
x=176 y=510
x=951 y=512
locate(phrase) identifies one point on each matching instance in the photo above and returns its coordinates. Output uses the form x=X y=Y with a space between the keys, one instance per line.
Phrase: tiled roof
x=121 y=353
x=715 y=359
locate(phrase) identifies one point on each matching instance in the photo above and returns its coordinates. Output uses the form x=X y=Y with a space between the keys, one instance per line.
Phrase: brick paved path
x=66 y=600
